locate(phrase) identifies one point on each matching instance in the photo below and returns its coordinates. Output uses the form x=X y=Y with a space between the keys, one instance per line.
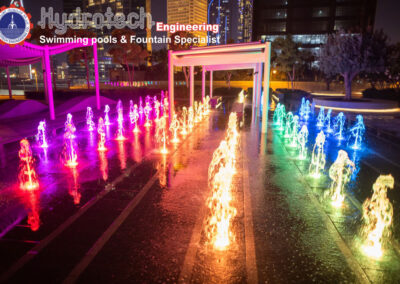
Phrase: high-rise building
x=188 y=12
x=310 y=21
x=245 y=16
x=221 y=12
x=125 y=7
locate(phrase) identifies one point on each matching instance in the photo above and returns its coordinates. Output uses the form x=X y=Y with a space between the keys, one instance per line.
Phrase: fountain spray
x=89 y=119
x=302 y=139
x=102 y=135
x=41 y=134
x=321 y=117
x=191 y=118
x=120 y=120
x=147 y=110
x=340 y=173
x=377 y=217
x=340 y=120
x=357 y=132
x=220 y=175
x=161 y=135
x=328 y=121
x=27 y=175
x=69 y=154
x=294 y=131
x=288 y=125
x=174 y=128
x=106 y=117
x=184 y=121
x=69 y=126
x=135 y=118
x=318 y=156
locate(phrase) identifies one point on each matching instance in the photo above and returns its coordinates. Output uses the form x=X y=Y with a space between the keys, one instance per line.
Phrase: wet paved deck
x=144 y=222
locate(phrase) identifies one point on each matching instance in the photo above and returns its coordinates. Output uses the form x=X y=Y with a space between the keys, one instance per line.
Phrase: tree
x=393 y=67
x=81 y=55
x=178 y=46
x=285 y=56
x=348 y=54
x=125 y=52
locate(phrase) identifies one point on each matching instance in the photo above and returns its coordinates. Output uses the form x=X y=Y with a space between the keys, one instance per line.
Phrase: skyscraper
x=188 y=12
x=309 y=22
x=99 y=6
x=221 y=12
x=245 y=27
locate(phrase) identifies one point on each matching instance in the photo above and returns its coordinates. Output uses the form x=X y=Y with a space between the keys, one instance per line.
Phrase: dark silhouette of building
x=310 y=21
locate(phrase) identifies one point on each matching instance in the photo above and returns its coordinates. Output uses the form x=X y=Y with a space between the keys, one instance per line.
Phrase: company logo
x=15 y=25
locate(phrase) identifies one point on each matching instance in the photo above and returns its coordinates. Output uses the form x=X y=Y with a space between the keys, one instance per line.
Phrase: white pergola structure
x=29 y=53
x=254 y=55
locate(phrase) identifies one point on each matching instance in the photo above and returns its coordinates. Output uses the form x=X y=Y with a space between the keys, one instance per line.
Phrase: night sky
x=387 y=13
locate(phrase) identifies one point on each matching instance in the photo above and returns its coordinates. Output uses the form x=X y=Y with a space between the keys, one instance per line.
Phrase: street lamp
x=34 y=72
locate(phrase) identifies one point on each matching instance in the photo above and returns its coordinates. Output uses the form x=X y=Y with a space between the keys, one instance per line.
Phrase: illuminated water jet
x=302 y=139
x=377 y=217
x=157 y=106
x=41 y=134
x=340 y=120
x=340 y=173
x=294 y=131
x=220 y=175
x=318 y=159
x=102 y=135
x=184 y=121
x=69 y=126
x=302 y=111
x=69 y=155
x=135 y=118
x=89 y=119
x=307 y=110
x=120 y=120
x=357 y=132
x=174 y=127
x=161 y=135
x=27 y=175
x=328 y=121
x=321 y=117
x=190 y=118
x=288 y=125
x=106 y=116
x=279 y=116
x=147 y=110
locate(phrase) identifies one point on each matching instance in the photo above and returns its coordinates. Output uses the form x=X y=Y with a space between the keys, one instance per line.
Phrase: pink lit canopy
x=29 y=53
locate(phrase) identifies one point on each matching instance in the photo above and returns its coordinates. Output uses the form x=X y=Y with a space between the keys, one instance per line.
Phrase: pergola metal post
x=203 y=83
x=211 y=84
x=96 y=76
x=267 y=67
x=170 y=84
x=191 y=75
x=9 y=83
x=49 y=85
x=256 y=87
x=259 y=88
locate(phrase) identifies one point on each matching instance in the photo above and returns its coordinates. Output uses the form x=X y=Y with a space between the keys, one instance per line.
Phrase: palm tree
x=125 y=52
